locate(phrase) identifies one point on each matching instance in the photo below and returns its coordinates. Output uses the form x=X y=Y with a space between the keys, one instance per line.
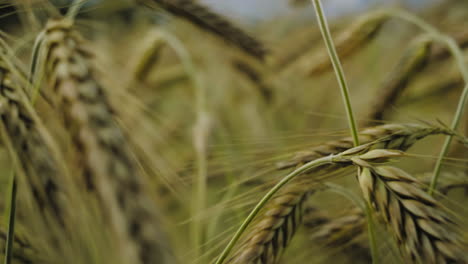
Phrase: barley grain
x=108 y=164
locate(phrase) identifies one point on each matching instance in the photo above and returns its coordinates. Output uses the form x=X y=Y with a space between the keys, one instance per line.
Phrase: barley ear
x=423 y=228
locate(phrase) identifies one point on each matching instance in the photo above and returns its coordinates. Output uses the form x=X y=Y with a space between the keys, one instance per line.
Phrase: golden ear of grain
x=423 y=228
x=390 y=136
x=149 y=56
x=353 y=39
x=23 y=252
x=106 y=159
x=413 y=62
x=440 y=53
x=212 y=22
x=338 y=234
x=261 y=245
x=31 y=145
x=255 y=77
x=272 y=233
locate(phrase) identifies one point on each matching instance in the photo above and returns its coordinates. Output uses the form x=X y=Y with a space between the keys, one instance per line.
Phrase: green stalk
x=365 y=207
x=371 y=234
x=345 y=96
x=337 y=67
x=266 y=198
x=200 y=135
x=75 y=8
x=458 y=55
x=11 y=223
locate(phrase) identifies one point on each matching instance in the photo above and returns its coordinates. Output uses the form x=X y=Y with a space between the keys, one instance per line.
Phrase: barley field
x=165 y=132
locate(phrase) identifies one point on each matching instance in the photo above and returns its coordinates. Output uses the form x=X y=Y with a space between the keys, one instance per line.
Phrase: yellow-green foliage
x=146 y=131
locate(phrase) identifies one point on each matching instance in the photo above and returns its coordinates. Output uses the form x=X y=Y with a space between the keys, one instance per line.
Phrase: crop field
x=165 y=132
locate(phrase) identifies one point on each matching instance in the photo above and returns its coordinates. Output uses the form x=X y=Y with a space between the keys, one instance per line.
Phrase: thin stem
x=371 y=234
x=337 y=67
x=367 y=209
x=266 y=198
x=75 y=8
x=458 y=55
x=11 y=223
x=200 y=135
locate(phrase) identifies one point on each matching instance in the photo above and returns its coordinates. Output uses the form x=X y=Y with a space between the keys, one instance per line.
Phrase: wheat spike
x=212 y=22
x=353 y=39
x=262 y=244
x=412 y=62
x=423 y=228
x=392 y=136
x=339 y=234
x=274 y=230
x=255 y=77
x=107 y=161
x=32 y=145
x=23 y=252
x=440 y=53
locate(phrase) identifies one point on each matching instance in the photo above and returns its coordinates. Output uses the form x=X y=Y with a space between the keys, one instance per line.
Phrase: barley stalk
x=108 y=164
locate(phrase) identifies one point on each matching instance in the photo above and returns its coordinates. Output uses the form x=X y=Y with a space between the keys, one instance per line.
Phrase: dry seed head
x=261 y=245
x=150 y=55
x=390 y=136
x=255 y=77
x=212 y=22
x=413 y=61
x=440 y=53
x=23 y=252
x=353 y=39
x=271 y=234
x=32 y=145
x=338 y=234
x=376 y=155
x=106 y=159
x=423 y=228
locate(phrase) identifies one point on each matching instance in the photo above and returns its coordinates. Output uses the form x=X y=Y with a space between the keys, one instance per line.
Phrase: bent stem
x=367 y=209
x=266 y=198
x=75 y=8
x=200 y=138
x=337 y=67
x=459 y=58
